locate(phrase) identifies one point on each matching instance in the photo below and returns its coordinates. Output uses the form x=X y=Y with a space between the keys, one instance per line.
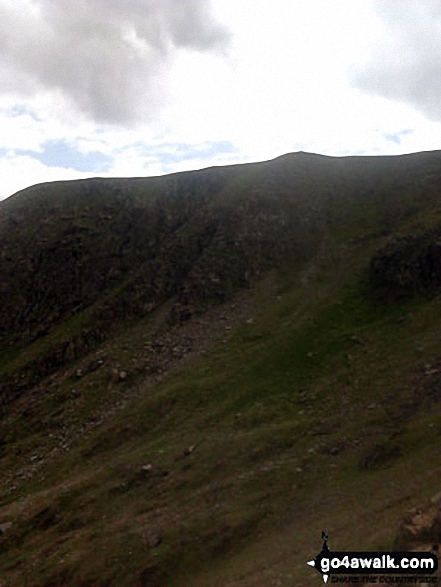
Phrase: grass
x=278 y=421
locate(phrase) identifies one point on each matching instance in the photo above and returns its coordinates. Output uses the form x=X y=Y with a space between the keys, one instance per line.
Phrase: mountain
x=199 y=372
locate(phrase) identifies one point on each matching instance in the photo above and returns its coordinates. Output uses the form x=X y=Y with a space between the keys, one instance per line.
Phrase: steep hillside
x=200 y=372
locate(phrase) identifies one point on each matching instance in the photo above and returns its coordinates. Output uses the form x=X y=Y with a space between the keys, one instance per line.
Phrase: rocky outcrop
x=407 y=265
x=421 y=528
x=82 y=259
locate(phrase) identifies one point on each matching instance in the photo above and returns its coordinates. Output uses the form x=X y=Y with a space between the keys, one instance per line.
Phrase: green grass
x=264 y=414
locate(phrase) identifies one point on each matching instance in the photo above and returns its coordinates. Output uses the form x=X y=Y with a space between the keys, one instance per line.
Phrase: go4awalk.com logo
x=354 y=567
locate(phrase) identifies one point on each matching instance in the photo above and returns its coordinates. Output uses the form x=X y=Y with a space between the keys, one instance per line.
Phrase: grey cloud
x=106 y=56
x=406 y=63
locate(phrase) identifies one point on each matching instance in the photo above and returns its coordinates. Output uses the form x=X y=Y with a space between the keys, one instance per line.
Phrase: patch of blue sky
x=395 y=137
x=59 y=153
x=172 y=153
x=21 y=110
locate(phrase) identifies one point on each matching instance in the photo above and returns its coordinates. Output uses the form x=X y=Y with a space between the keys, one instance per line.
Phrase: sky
x=148 y=87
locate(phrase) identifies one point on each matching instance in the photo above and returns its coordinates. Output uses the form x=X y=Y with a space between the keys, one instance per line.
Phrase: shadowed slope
x=229 y=386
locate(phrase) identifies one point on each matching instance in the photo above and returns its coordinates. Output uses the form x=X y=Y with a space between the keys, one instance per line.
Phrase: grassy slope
x=263 y=415
x=316 y=414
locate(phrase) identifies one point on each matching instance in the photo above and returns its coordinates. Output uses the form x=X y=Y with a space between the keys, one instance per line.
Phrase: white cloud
x=105 y=57
x=20 y=171
x=405 y=62
x=285 y=86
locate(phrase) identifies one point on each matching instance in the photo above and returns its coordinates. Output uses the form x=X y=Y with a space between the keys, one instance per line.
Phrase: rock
x=5 y=527
x=147 y=468
x=153 y=539
x=420 y=526
x=334 y=450
x=122 y=375
x=188 y=451
x=95 y=365
x=432 y=371
x=407 y=265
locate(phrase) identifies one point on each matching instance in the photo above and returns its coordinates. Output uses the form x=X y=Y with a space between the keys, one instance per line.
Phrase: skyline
x=96 y=88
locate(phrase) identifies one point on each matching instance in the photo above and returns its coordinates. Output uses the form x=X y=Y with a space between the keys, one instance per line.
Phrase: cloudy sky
x=147 y=87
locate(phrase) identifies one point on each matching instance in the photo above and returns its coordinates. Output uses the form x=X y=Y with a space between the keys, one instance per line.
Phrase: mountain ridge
x=199 y=372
